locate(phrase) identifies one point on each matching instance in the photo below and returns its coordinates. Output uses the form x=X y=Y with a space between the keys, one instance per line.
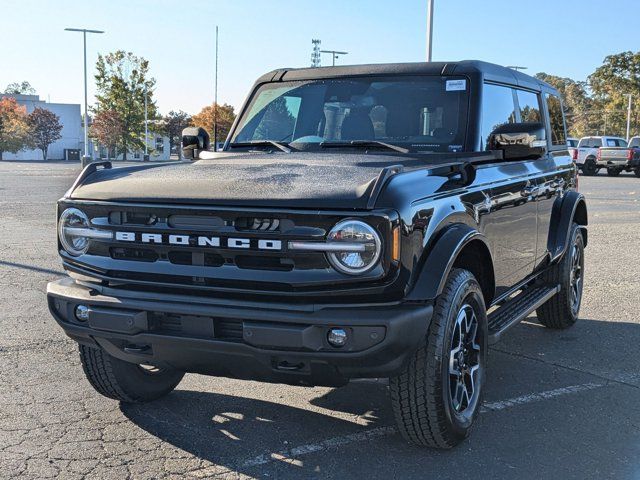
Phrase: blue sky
x=257 y=36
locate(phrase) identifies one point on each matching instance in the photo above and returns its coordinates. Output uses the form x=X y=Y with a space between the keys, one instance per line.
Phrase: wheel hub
x=464 y=359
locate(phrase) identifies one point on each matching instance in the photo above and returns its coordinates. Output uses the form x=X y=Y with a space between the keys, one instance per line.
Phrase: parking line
x=290 y=456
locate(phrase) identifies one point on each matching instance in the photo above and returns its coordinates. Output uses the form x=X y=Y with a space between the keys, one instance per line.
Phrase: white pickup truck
x=588 y=159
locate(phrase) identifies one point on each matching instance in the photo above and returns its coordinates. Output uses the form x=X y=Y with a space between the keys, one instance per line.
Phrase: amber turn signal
x=395 y=245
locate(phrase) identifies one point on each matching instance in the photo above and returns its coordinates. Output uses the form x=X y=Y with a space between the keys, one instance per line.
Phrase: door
x=511 y=227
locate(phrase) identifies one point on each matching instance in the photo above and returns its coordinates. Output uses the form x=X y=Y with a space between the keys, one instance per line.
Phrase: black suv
x=385 y=221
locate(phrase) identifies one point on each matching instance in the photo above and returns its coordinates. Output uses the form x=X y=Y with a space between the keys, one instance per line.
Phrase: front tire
x=437 y=397
x=561 y=311
x=124 y=381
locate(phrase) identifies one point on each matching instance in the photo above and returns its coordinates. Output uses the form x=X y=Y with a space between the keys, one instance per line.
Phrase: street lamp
x=429 y=28
x=334 y=54
x=629 y=117
x=85 y=158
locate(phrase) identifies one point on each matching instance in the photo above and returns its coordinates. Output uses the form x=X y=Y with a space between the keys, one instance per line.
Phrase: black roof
x=488 y=71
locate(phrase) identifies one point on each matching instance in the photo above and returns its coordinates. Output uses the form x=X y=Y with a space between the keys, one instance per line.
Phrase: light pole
x=215 y=101
x=628 y=116
x=146 y=127
x=334 y=54
x=429 y=28
x=85 y=159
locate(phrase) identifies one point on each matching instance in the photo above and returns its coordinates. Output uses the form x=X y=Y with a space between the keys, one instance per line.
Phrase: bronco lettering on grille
x=198 y=241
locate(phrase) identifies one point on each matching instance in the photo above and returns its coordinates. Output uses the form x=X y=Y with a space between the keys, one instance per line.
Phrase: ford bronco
x=380 y=221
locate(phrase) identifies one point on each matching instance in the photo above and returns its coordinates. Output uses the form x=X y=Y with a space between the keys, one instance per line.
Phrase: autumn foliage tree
x=207 y=117
x=107 y=129
x=44 y=129
x=14 y=130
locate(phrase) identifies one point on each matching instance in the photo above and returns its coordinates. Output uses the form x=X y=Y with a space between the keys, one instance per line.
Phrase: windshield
x=419 y=113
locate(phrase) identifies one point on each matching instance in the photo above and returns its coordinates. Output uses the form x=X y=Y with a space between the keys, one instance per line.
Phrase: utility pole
x=215 y=101
x=334 y=55
x=628 y=116
x=146 y=127
x=429 y=28
x=86 y=159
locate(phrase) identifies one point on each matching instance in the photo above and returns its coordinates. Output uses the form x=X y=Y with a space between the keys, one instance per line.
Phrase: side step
x=515 y=310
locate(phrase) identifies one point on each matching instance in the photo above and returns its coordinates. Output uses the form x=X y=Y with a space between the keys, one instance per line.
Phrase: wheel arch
x=460 y=246
x=572 y=208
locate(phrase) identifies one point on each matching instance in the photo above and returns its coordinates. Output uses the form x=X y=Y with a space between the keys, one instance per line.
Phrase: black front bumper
x=285 y=343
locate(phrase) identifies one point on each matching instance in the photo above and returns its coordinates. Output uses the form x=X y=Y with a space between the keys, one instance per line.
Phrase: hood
x=303 y=180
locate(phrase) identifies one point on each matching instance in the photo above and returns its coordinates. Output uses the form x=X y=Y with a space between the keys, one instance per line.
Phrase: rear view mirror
x=519 y=141
x=194 y=141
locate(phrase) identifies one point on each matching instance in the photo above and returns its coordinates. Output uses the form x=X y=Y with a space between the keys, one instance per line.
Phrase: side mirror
x=519 y=141
x=194 y=141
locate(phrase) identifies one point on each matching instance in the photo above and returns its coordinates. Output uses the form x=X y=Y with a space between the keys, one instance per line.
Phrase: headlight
x=71 y=226
x=364 y=247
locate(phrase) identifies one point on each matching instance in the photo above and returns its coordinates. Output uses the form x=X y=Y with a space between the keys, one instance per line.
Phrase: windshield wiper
x=262 y=143
x=365 y=144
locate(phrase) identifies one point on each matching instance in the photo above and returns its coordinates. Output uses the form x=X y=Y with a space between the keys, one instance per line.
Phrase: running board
x=515 y=310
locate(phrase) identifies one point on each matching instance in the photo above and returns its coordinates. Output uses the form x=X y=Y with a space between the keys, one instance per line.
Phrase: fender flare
x=562 y=217
x=439 y=262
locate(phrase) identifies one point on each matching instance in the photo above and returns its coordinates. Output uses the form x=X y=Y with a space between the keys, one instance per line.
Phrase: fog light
x=337 y=337
x=82 y=313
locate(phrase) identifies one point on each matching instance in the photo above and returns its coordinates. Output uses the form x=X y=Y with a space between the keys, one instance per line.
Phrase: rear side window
x=596 y=143
x=529 y=107
x=616 y=142
x=556 y=120
x=498 y=109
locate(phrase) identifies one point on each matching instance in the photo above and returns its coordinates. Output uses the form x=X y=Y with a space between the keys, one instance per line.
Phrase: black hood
x=305 y=180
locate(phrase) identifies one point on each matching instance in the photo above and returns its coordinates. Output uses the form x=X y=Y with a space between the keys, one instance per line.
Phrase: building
x=70 y=118
x=72 y=141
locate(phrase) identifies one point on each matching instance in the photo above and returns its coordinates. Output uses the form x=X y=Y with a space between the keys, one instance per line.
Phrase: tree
x=107 y=129
x=172 y=125
x=20 y=88
x=617 y=77
x=122 y=82
x=44 y=129
x=206 y=117
x=14 y=130
x=579 y=108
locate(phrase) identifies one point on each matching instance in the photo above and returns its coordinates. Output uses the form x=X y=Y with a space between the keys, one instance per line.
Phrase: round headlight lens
x=364 y=247
x=70 y=221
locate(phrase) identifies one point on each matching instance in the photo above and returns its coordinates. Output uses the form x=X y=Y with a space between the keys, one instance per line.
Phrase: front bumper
x=284 y=343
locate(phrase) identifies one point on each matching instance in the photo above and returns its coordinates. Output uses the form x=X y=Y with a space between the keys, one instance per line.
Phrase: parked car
x=624 y=158
x=586 y=155
x=361 y=222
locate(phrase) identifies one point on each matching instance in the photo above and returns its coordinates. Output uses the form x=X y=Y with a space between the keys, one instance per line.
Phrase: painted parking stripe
x=537 y=397
x=290 y=456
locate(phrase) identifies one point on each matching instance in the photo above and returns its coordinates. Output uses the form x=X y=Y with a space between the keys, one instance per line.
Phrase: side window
x=556 y=120
x=596 y=143
x=529 y=107
x=497 y=109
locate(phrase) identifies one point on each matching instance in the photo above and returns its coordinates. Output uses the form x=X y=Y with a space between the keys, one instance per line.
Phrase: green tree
x=14 y=130
x=172 y=125
x=122 y=81
x=579 y=108
x=20 y=88
x=617 y=77
x=44 y=129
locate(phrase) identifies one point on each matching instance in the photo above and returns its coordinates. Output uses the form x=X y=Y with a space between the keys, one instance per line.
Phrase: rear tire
x=637 y=172
x=124 y=381
x=561 y=311
x=437 y=397
x=590 y=167
x=613 y=172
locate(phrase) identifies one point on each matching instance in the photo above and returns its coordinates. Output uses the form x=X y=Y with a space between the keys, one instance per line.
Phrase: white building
x=70 y=118
x=72 y=140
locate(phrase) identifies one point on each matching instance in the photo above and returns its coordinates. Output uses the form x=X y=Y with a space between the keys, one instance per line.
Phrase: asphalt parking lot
x=557 y=405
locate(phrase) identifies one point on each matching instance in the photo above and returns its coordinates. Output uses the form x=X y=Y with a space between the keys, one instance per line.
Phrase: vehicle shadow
x=239 y=433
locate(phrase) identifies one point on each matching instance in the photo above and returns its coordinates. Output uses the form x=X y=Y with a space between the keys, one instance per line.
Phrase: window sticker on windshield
x=455 y=85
